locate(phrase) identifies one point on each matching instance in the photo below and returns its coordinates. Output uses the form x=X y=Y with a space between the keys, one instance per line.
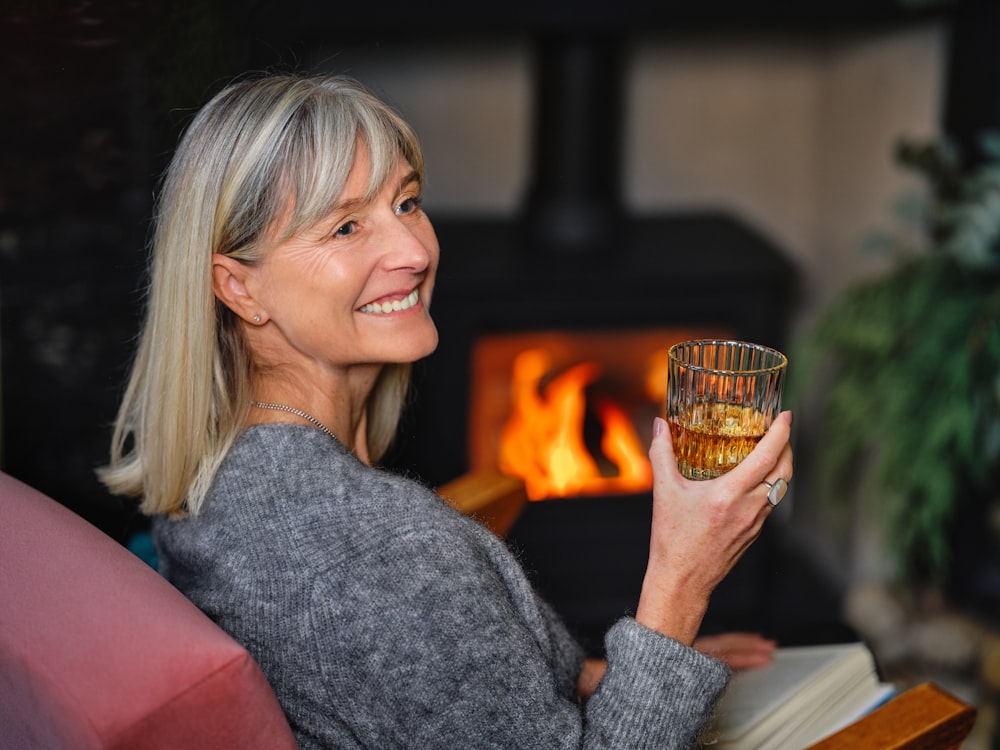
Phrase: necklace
x=296 y=412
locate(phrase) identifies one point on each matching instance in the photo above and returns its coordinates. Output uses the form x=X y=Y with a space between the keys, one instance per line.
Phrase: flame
x=542 y=440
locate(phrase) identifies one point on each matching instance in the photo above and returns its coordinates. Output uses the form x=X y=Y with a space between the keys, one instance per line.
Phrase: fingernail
x=658 y=425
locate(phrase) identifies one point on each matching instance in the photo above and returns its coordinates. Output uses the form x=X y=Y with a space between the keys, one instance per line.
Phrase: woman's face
x=356 y=287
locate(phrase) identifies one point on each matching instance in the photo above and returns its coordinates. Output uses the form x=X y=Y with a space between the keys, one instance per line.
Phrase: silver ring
x=776 y=491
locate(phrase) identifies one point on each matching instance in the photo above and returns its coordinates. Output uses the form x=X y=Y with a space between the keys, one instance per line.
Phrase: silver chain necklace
x=296 y=412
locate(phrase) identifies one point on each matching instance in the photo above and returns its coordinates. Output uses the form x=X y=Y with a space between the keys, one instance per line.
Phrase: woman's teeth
x=395 y=306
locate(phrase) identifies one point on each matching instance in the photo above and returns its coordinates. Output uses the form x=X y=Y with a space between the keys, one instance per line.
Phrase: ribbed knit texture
x=385 y=619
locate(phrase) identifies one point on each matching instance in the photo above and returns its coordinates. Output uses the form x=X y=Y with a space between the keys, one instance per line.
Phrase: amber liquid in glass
x=710 y=439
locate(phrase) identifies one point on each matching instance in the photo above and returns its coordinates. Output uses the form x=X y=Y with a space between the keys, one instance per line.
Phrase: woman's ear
x=229 y=284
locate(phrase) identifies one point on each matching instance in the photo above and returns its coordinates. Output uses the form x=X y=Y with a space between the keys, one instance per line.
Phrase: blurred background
x=719 y=166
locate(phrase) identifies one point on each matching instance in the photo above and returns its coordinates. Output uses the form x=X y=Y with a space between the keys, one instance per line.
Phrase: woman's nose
x=410 y=247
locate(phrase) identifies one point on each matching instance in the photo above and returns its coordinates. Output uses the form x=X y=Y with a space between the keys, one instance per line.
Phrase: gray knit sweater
x=385 y=619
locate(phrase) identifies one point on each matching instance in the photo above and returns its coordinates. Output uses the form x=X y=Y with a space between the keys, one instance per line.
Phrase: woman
x=291 y=279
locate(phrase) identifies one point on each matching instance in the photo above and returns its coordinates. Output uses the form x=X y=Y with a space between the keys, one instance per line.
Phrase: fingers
x=771 y=459
x=738 y=650
x=661 y=451
x=771 y=447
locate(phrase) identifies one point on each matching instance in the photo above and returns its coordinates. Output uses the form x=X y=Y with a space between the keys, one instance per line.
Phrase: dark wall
x=72 y=205
x=85 y=127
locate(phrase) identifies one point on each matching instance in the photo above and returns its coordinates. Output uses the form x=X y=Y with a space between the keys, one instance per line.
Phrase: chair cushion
x=98 y=651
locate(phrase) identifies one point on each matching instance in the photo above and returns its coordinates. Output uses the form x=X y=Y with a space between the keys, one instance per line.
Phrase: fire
x=543 y=438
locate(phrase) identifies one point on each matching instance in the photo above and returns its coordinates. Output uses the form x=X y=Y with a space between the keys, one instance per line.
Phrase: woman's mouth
x=397 y=305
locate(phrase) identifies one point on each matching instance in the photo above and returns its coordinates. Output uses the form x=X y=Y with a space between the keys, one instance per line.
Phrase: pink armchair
x=98 y=651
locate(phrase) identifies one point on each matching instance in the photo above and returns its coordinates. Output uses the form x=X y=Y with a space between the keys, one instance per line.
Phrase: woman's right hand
x=701 y=528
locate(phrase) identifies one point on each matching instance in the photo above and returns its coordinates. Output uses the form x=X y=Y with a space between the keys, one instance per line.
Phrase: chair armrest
x=924 y=717
x=491 y=497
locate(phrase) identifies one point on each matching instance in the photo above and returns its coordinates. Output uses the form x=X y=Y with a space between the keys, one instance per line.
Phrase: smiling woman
x=291 y=280
x=264 y=165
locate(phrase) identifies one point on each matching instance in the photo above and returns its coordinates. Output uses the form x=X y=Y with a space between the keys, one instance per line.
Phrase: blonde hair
x=263 y=148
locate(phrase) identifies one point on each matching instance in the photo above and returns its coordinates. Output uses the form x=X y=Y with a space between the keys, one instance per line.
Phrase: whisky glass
x=721 y=398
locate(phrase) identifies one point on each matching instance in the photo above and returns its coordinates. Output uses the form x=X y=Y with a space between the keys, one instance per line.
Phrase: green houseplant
x=907 y=365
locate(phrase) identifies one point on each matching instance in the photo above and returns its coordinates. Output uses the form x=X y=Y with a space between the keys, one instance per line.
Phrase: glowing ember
x=543 y=439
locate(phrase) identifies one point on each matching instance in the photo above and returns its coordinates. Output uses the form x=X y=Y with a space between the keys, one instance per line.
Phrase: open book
x=805 y=694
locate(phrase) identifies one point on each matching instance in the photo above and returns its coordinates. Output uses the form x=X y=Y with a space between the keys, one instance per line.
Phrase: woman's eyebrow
x=350 y=204
x=408 y=179
x=347 y=205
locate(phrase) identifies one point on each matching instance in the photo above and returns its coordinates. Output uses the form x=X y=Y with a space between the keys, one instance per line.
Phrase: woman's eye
x=344 y=230
x=408 y=206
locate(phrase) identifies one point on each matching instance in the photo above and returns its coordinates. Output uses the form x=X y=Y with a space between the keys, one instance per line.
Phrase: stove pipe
x=573 y=201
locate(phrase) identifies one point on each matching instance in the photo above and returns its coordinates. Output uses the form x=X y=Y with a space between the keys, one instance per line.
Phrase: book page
x=798 y=684
x=845 y=710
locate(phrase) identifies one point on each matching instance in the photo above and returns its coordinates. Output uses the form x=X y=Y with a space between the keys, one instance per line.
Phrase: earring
x=256 y=319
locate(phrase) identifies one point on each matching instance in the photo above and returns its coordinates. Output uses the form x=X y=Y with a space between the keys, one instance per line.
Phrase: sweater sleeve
x=657 y=693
